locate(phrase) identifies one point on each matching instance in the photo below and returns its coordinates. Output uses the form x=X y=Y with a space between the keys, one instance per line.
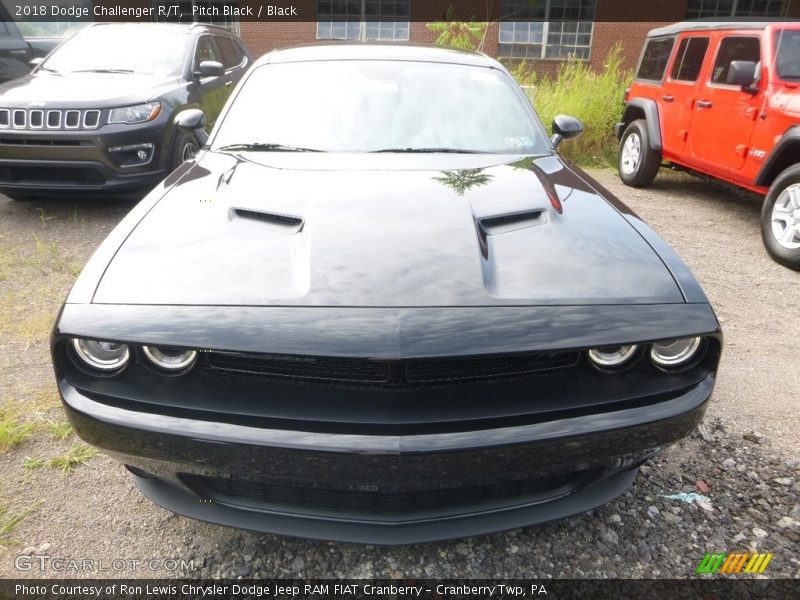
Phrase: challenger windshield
x=788 y=54
x=380 y=106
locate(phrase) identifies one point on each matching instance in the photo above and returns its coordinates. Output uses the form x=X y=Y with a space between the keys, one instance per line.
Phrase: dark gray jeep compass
x=97 y=116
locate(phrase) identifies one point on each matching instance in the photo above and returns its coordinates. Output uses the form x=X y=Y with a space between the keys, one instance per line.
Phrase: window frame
x=546 y=34
x=230 y=23
x=671 y=63
x=700 y=14
x=667 y=65
x=720 y=40
x=362 y=24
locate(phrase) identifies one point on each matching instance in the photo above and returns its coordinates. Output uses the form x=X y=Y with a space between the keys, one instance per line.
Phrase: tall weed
x=594 y=98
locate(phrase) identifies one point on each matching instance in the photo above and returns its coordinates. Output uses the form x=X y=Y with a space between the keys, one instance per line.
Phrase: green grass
x=593 y=97
x=32 y=463
x=77 y=455
x=10 y=519
x=60 y=431
x=12 y=430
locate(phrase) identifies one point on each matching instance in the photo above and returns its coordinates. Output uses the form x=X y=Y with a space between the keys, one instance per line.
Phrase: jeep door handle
x=668 y=98
x=704 y=104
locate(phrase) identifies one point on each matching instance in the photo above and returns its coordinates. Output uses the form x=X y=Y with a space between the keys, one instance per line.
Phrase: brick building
x=543 y=32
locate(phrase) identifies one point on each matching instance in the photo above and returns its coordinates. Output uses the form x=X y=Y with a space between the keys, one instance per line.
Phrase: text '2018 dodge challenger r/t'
x=389 y=313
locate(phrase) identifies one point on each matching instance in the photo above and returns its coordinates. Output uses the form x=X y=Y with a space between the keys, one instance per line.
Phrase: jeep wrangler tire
x=780 y=219
x=637 y=162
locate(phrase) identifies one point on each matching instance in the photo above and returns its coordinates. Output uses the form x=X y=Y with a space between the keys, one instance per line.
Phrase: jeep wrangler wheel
x=638 y=164
x=780 y=219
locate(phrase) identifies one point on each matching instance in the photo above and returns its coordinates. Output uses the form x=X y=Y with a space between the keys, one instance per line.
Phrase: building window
x=548 y=29
x=200 y=11
x=378 y=20
x=698 y=9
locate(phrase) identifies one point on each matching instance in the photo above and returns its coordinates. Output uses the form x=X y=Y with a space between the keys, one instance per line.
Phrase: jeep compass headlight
x=138 y=113
x=101 y=355
x=675 y=353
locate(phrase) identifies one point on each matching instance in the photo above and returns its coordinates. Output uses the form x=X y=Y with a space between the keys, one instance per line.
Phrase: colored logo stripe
x=734 y=563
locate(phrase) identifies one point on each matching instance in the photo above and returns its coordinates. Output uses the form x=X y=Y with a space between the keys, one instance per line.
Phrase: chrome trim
x=14 y=119
x=30 y=119
x=58 y=125
x=67 y=113
x=86 y=114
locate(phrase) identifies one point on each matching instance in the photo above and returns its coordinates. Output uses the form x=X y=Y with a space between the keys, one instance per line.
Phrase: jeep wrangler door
x=679 y=91
x=724 y=114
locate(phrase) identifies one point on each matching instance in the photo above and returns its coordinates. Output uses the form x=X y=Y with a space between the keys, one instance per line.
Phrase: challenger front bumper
x=589 y=459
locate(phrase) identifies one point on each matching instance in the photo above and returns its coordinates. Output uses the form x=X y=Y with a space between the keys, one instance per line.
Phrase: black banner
x=486 y=11
x=717 y=588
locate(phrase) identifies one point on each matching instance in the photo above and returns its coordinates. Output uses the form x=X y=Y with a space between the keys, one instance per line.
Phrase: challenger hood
x=384 y=230
x=81 y=89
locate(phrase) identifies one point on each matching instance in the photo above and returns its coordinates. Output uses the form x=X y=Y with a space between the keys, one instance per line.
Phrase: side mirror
x=209 y=68
x=741 y=73
x=190 y=120
x=565 y=128
x=35 y=62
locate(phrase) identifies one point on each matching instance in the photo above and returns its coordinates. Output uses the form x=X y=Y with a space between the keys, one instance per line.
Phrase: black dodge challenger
x=379 y=307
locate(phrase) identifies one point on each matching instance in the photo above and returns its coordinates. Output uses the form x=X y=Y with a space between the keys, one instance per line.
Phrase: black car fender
x=642 y=108
x=785 y=154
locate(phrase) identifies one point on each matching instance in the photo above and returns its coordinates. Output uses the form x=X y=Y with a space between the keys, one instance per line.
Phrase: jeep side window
x=230 y=58
x=731 y=49
x=788 y=54
x=689 y=59
x=654 y=59
x=205 y=51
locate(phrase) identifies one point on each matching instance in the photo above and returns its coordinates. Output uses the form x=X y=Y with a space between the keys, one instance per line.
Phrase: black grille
x=5 y=117
x=423 y=371
x=50 y=175
x=391 y=373
x=72 y=118
x=311 y=497
x=306 y=367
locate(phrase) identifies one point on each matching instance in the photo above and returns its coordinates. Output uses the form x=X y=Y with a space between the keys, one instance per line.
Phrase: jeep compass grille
x=37 y=118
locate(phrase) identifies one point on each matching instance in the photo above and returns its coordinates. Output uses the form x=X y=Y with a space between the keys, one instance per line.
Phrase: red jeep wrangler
x=722 y=99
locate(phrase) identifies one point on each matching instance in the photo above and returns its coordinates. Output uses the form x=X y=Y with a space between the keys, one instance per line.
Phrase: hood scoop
x=285 y=223
x=512 y=222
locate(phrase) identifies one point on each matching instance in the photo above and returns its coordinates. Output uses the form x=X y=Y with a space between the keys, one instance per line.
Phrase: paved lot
x=745 y=458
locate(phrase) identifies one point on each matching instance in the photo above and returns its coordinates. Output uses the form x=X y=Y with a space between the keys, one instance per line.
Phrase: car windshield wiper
x=261 y=147
x=103 y=71
x=430 y=150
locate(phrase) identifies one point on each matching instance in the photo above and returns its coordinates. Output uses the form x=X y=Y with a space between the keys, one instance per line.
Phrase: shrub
x=577 y=90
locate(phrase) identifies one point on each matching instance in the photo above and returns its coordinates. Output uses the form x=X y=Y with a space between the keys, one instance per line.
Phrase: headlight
x=135 y=114
x=612 y=357
x=674 y=353
x=170 y=359
x=103 y=356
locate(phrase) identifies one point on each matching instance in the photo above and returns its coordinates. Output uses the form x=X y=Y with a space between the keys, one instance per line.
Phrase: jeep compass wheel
x=185 y=149
x=638 y=164
x=780 y=219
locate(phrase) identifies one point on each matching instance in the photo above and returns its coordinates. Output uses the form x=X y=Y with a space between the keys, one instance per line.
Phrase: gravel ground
x=743 y=461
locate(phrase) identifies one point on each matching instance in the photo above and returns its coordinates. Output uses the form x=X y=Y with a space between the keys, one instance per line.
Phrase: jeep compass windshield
x=380 y=106
x=788 y=58
x=117 y=50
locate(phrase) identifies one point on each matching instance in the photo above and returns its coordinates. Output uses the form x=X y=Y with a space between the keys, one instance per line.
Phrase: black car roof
x=370 y=51
x=716 y=24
